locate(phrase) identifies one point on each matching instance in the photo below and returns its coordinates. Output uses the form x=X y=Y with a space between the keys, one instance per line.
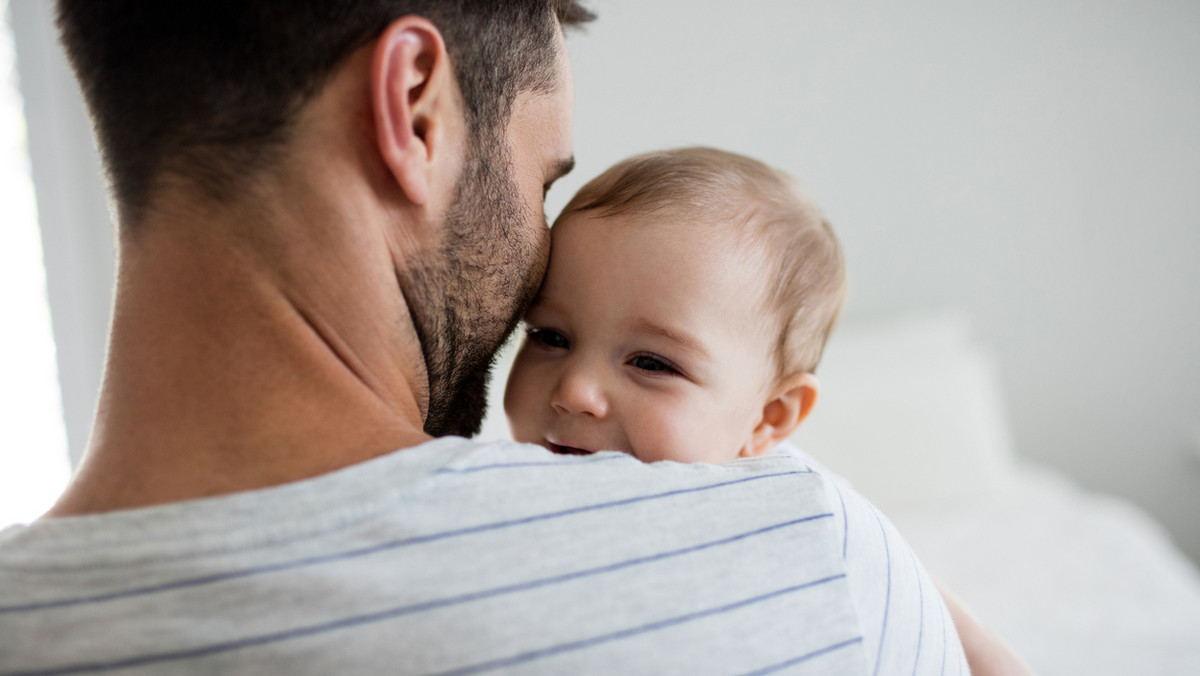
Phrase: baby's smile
x=578 y=444
x=568 y=450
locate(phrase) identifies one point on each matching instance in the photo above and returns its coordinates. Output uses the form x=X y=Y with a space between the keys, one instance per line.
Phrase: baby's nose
x=580 y=391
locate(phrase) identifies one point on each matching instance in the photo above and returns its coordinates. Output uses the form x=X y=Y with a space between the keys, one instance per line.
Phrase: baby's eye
x=653 y=364
x=547 y=337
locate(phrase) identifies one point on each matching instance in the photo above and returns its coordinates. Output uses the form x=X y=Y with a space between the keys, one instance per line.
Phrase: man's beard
x=467 y=298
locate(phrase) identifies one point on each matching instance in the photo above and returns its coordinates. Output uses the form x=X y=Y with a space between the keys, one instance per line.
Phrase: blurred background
x=1033 y=165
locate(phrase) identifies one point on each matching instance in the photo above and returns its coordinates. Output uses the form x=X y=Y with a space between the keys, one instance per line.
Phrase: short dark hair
x=207 y=89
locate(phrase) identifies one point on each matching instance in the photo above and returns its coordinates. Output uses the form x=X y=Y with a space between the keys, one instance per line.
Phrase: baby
x=689 y=296
x=688 y=299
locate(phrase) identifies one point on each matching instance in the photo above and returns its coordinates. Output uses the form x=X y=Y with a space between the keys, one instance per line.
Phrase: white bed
x=1078 y=583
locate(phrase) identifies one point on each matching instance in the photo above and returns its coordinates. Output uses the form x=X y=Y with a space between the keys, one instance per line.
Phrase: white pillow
x=911 y=414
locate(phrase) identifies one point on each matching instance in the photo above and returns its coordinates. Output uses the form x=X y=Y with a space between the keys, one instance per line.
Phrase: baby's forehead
x=683 y=220
x=691 y=273
x=687 y=243
x=728 y=237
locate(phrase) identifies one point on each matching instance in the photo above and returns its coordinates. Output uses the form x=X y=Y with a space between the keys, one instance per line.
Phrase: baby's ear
x=787 y=406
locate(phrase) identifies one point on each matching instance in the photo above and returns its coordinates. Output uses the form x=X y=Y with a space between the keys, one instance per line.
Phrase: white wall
x=77 y=236
x=1034 y=162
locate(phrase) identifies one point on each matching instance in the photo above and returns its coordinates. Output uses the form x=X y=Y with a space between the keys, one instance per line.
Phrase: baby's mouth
x=567 y=450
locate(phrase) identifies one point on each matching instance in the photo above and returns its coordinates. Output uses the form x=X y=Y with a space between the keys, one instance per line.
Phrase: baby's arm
x=987 y=653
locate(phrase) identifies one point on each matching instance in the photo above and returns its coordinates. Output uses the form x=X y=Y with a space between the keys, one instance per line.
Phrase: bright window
x=33 y=442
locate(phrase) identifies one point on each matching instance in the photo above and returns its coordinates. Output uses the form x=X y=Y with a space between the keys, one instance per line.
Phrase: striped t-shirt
x=459 y=558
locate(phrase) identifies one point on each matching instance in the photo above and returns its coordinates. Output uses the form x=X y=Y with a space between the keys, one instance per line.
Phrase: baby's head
x=688 y=299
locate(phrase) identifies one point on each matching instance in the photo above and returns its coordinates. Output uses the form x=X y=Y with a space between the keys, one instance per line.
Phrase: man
x=330 y=218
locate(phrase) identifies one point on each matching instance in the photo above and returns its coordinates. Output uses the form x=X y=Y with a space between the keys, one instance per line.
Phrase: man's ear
x=414 y=98
x=787 y=406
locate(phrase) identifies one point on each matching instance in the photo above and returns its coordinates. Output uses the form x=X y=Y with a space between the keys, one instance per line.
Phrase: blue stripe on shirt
x=845 y=518
x=582 y=462
x=921 y=605
x=391 y=613
x=365 y=551
x=803 y=658
x=887 y=602
x=533 y=655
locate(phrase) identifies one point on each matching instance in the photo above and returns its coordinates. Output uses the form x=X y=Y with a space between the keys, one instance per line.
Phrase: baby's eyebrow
x=682 y=338
x=541 y=301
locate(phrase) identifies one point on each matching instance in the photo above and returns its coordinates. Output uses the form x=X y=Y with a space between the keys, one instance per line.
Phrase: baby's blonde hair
x=805 y=273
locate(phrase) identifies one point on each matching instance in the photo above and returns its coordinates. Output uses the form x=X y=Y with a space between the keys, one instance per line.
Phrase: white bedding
x=1078 y=583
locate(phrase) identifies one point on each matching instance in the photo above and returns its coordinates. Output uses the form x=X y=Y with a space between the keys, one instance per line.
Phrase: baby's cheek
x=685 y=438
x=722 y=432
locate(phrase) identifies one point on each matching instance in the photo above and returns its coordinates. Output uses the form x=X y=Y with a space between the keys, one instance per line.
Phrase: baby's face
x=648 y=337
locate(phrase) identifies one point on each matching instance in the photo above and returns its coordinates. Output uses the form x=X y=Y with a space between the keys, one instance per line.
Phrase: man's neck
x=229 y=372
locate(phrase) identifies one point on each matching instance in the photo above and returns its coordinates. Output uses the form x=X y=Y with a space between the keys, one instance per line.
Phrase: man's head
x=206 y=90
x=212 y=98
x=467 y=296
x=689 y=295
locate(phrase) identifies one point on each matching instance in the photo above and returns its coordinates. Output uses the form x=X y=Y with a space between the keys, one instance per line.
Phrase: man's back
x=329 y=220
x=454 y=557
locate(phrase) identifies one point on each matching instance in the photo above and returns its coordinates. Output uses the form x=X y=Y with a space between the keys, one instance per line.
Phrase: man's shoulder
x=417 y=484
x=518 y=459
x=495 y=554
x=536 y=479
x=455 y=554
x=905 y=625
x=533 y=476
